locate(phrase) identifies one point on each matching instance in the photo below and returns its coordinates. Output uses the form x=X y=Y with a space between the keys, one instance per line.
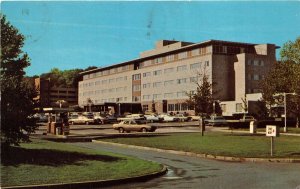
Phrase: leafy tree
x=202 y=100
x=64 y=78
x=285 y=77
x=16 y=92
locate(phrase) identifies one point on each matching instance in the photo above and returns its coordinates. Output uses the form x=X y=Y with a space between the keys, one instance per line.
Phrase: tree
x=17 y=93
x=202 y=100
x=285 y=77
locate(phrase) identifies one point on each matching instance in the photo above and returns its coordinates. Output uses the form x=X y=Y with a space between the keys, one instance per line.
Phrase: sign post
x=272 y=131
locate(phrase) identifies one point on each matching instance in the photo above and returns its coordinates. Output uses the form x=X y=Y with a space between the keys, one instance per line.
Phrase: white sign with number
x=272 y=131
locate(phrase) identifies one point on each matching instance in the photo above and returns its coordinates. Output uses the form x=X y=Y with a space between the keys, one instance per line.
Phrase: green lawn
x=42 y=162
x=225 y=144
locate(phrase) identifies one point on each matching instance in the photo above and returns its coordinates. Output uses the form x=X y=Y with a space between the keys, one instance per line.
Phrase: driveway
x=190 y=172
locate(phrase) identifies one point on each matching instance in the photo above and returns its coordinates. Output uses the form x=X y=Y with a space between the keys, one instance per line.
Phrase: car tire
x=121 y=130
x=144 y=130
x=87 y=123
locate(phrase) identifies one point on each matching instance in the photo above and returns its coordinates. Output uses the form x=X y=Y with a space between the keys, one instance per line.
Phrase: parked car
x=139 y=118
x=216 y=121
x=100 y=119
x=111 y=119
x=75 y=119
x=168 y=118
x=132 y=125
x=153 y=118
x=247 y=119
x=182 y=117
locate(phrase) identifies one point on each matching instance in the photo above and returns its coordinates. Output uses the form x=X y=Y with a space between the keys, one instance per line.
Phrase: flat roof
x=212 y=41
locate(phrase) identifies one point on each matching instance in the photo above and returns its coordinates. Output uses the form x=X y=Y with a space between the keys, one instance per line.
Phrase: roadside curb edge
x=207 y=156
x=93 y=184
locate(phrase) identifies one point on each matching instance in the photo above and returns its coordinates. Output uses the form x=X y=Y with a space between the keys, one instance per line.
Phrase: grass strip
x=45 y=162
x=215 y=143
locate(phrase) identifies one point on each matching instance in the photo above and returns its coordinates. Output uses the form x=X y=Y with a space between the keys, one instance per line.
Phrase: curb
x=207 y=156
x=94 y=184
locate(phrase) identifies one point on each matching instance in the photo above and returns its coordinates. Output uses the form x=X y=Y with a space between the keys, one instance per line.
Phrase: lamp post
x=284 y=105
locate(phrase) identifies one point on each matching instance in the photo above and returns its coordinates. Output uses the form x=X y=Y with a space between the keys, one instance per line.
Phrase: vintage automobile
x=131 y=125
x=168 y=118
x=216 y=121
x=76 y=119
x=153 y=118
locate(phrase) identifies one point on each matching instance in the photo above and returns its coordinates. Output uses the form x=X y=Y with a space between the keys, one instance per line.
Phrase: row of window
x=173 y=57
x=178 y=107
x=106 y=72
x=193 y=66
x=171 y=107
x=103 y=91
x=103 y=82
x=170 y=82
x=255 y=63
x=180 y=94
x=255 y=77
x=119 y=99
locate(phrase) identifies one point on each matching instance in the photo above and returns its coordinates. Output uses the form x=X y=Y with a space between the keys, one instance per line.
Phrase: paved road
x=190 y=172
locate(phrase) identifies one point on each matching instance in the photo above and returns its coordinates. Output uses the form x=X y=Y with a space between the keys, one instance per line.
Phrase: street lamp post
x=284 y=105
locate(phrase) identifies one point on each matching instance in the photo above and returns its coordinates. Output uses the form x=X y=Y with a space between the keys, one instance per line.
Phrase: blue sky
x=70 y=35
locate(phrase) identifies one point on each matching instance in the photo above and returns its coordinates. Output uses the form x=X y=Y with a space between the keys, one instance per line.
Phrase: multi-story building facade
x=50 y=96
x=163 y=76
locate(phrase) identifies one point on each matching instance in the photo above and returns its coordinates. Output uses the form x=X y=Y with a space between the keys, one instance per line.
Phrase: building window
x=157 y=84
x=181 y=68
x=146 y=74
x=104 y=82
x=111 y=80
x=170 y=58
x=146 y=97
x=125 y=68
x=146 y=85
x=136 y=77
x=167 y=83
x=111 y=90
x=182 y=55
x=157 y=72
x=255 y=77
x=156 y=96
x=206 y=63
x=195 y=52
x=261 y=63
x=168 y=95
x=170 y=107
x=119 y=89
x=145 y=108
x=118 y=79
x=195 y=66
x=136 y=98
x=181 y=81
x=147 y=63
x=136 y=88
x=239 y=107
x=193 y=79
x=158 y=60
x=168 y=70
x=180 y=94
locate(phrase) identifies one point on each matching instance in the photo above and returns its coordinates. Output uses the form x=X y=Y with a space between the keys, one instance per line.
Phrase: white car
x=168 y=118
x=75 y=119
x=153 y=118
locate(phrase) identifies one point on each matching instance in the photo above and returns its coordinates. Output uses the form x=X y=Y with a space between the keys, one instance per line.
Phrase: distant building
x=160 y=78
x=49 y=96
